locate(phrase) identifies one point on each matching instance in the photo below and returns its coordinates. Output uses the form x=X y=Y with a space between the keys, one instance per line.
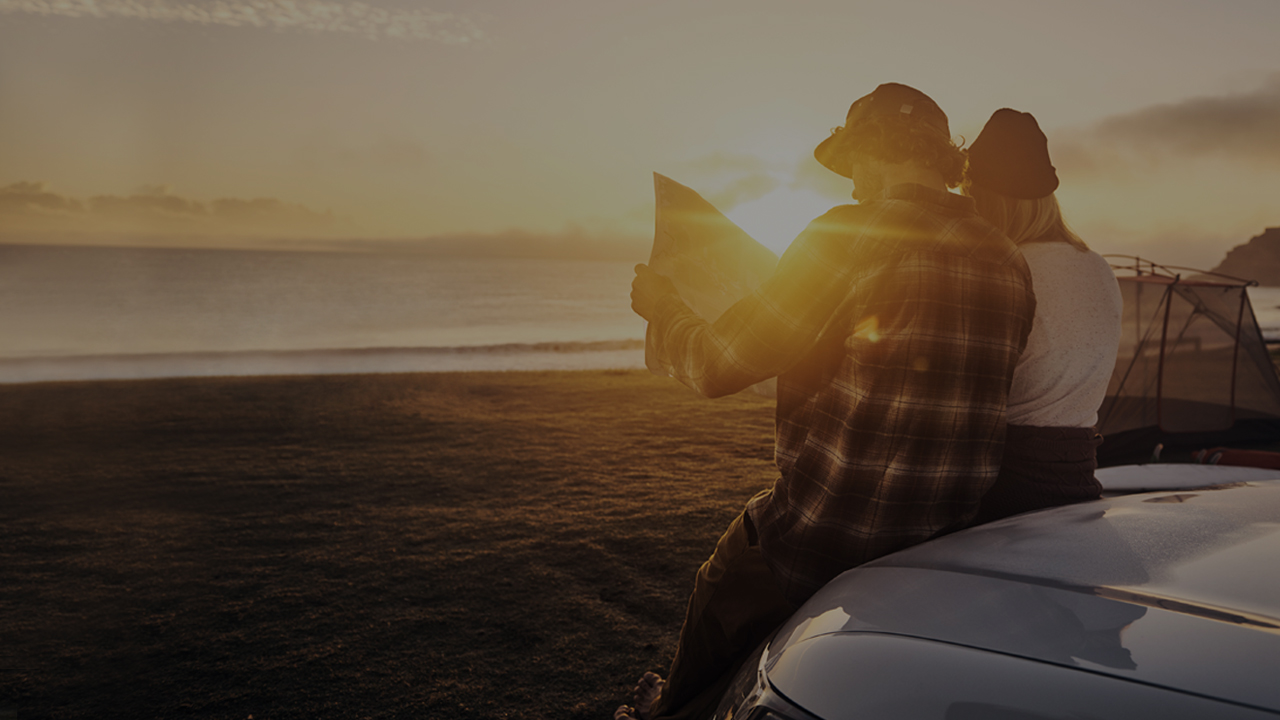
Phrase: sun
x=775 y=219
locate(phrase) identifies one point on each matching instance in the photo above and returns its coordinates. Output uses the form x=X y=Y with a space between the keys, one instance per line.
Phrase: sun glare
x=774 y=220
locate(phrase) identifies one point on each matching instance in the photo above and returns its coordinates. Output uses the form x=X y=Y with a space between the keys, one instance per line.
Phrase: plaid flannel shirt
x=894 y=327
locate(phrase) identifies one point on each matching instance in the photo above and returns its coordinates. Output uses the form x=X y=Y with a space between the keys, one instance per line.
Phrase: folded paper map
x=712 y=262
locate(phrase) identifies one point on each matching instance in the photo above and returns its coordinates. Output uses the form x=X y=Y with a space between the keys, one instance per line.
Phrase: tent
x=1193 y=370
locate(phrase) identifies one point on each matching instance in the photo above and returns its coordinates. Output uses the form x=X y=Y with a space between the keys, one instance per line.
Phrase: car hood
x=1173 y=589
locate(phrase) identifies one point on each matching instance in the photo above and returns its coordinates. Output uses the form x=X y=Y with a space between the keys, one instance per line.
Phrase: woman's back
x=1061 y=378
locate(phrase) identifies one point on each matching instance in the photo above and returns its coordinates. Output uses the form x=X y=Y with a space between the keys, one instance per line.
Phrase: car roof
x=1176 y=589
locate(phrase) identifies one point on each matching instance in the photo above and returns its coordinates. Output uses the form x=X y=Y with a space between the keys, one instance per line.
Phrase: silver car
x=1161 y=604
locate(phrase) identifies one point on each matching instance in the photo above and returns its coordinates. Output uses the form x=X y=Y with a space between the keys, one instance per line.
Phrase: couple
x=940 y=362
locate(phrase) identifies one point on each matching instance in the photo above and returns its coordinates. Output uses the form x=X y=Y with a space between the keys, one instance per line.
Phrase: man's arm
x=765 y=333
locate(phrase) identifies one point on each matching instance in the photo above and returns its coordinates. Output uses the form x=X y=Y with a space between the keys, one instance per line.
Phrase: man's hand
x=648 y=289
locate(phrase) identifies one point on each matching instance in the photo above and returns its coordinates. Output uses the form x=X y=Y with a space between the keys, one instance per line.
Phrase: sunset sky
x=198 y=119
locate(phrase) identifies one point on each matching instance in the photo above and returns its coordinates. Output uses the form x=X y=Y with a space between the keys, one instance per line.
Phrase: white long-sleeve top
x=1061 y=378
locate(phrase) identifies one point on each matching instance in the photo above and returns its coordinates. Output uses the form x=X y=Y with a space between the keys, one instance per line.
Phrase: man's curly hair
x=897 y=140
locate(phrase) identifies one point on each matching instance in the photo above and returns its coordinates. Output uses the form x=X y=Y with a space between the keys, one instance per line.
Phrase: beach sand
x=473 y=545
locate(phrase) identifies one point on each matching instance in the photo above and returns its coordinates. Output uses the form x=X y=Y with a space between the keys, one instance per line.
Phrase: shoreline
x=510 y=357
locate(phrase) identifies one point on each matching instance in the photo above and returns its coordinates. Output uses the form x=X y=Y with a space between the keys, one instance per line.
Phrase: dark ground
x=437 y=546
x=484 y=545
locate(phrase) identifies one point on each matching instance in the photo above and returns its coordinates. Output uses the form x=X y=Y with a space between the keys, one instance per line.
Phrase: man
x=893 y=327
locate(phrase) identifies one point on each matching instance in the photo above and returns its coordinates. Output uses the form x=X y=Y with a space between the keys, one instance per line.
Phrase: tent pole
x=1235 y=355
x=1164 y=333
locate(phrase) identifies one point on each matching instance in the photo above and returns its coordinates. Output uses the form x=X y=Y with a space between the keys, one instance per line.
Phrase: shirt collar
x=921 y=195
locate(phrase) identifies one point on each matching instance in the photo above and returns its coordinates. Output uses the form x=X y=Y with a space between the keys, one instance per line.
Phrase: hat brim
x=832 y=155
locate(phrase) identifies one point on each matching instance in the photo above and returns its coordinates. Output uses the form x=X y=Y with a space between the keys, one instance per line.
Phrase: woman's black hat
x=1011 y=157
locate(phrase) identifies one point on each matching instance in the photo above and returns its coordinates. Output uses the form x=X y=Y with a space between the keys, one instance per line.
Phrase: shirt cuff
x=669 y=308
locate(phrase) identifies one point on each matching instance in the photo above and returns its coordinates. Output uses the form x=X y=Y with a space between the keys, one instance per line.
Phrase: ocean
x=78 y=313
x=71 y=313
x=1266 y=307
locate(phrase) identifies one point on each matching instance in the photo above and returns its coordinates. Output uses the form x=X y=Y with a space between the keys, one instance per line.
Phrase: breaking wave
x=602 y=355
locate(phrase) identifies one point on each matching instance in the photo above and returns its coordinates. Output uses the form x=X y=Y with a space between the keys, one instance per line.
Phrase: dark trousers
x=1042 y=467
x=735 y=604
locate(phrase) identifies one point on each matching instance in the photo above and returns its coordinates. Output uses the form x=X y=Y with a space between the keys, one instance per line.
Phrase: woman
x=1061 y=378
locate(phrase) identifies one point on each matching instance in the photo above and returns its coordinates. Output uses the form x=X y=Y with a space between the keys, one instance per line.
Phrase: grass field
x=493 y=545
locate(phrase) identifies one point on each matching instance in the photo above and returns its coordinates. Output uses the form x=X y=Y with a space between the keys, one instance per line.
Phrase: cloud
x=27 y=207
x=35 y=198
x=722 y=163
x=810 y=175
x=727 y=180
x=30 y=212
x=398 y=154
x=1242 y=127
x=743 y=190
x=150 y=201
x=339 y=16
x=1188 y=247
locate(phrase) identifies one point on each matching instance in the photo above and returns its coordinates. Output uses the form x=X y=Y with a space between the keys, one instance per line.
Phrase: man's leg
x=735 y=604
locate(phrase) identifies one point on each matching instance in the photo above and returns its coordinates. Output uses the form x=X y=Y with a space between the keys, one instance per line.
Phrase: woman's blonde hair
x=1024 y=221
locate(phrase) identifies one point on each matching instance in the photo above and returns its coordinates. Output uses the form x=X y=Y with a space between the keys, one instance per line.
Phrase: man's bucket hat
x=1011 y=157
x=887 y=100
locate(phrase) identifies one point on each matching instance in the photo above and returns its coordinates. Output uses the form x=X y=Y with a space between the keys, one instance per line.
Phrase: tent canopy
x=1193 y=369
